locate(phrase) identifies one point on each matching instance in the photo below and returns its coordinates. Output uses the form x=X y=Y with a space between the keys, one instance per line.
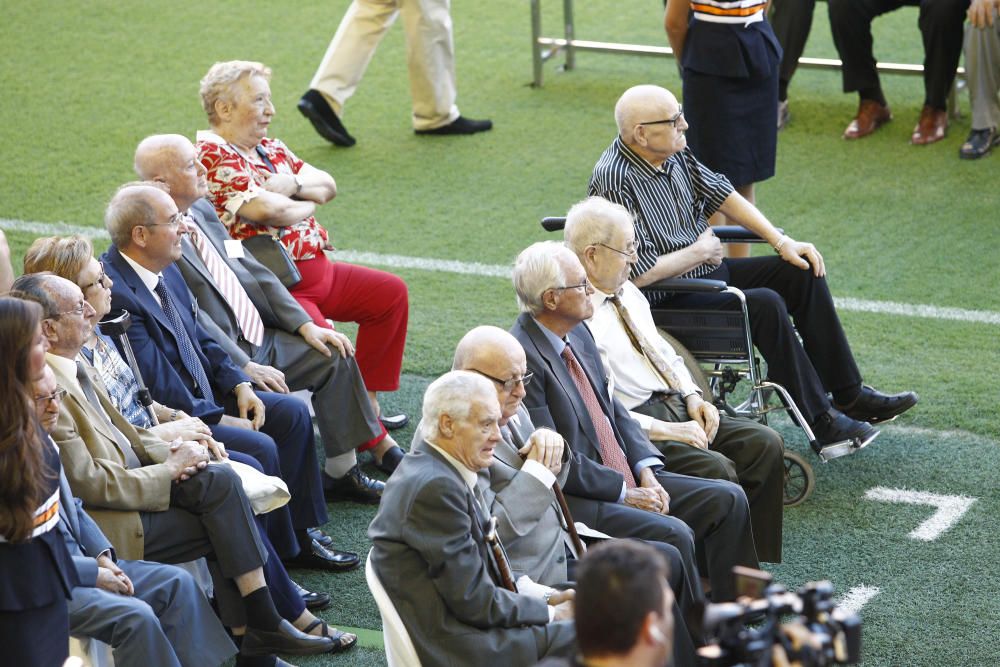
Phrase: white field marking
x=949 y=509
x=504 y=271
x=953 y=435
x=856 y=598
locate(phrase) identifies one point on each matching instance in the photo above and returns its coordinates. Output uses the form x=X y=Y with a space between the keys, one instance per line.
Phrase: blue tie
x=188 y=356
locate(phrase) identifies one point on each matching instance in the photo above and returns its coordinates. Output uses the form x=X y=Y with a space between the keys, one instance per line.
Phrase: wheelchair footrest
x=843 y=448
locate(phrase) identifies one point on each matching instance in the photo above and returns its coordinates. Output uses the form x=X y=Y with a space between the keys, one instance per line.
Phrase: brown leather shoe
x=871 y=116
x=932 y=127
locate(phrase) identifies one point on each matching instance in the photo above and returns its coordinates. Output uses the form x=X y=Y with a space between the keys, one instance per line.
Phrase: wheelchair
x=718 y=350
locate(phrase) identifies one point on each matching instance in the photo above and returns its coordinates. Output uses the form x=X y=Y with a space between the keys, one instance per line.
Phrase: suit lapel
x=141 y=292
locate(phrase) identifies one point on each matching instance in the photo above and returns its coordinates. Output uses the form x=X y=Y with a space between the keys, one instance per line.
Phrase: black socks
x=260 y=610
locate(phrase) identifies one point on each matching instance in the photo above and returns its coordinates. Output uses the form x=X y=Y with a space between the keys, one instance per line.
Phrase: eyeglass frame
x=55 y=397
x=79 y=310
x=634 y=252
x=508 y=385
x=667 y=121
x=584 y=285
x=101 y=279
x=174 y=222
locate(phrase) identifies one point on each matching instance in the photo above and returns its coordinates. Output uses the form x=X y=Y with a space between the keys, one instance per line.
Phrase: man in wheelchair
x=649 y=170
x=651 y=381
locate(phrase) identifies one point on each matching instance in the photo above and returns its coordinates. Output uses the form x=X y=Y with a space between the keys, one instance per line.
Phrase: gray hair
x=593 y=221
x=537 y=269
x=36 y=287
x=220 y=81
x=452 y=394
x=130 y=207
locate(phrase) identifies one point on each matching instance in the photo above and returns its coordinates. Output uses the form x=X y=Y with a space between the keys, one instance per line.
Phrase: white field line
x=949 y=509
x=856 y=598
x=946 y=435
x=926 y=311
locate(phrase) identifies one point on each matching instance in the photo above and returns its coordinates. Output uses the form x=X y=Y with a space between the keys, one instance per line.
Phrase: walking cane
x=116 y=324
x=574 y=536
x=500 y=555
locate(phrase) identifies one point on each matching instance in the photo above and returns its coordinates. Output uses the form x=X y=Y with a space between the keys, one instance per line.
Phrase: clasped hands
x=649 y=495
x=546 y=447
x=111 y=578
x=698 y=432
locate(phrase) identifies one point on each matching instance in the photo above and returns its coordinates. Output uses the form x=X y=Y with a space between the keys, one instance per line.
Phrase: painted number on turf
x=949 y=509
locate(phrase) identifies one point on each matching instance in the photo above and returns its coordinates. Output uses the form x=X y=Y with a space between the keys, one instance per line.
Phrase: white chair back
x=399 y=651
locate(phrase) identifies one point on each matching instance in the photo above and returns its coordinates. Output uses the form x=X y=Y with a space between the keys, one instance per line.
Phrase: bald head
x=650 y=122
x=495 y=354
x=172 y=159
x=132 y=206
x=155 y=153
x=641 y=104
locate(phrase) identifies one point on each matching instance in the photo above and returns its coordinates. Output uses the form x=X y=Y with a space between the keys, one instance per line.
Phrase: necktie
x=227 y=282
x=131 y=460
x=188 y=357
x=644 y=347
x=611 y=452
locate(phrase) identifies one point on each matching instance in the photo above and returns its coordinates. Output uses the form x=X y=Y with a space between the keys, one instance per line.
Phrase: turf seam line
x=926 y=311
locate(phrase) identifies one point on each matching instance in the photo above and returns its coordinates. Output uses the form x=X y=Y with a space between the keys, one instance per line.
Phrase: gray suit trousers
x=167 y=623
x=982 y=64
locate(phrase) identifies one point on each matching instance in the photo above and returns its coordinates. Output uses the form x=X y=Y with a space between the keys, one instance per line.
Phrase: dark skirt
x=38 y=637
x=730 y=75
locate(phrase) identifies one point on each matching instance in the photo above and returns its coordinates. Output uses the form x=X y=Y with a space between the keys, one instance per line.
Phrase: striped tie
x=227 y=282
x=189 y=358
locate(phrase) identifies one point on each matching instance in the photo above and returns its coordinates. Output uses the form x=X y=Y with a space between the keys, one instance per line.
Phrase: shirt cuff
x=552 y=612
x=539 y=472
x=645 y=421
x=621 y=496
x=647 y=462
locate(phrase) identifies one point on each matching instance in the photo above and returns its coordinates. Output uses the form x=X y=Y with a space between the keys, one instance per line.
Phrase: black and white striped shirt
x=671 y=204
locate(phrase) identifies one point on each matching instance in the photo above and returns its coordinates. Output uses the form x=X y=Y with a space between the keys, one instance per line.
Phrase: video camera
x=743 y=633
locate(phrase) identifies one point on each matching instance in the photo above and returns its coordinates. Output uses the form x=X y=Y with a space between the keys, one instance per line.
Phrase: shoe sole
x=319 y=124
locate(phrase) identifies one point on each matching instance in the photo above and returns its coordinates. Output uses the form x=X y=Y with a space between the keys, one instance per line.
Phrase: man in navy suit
x=150 y=613
x=185 y=368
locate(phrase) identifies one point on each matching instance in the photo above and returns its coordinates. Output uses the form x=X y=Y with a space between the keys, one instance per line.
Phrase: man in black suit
x=185 y=368
x=265 y=331
x=570 y=394
x=430 y=551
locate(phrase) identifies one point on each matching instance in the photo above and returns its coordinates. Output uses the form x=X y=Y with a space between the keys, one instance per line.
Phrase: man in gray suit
x=429 y=546
x=150 y=613
x=264 y=330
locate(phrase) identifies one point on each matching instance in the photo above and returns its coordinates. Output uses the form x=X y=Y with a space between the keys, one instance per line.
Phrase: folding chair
x=399 y=650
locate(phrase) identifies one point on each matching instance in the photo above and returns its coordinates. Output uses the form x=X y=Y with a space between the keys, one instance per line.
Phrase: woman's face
x=36 y=354
x=251 y=111
x=96 y=286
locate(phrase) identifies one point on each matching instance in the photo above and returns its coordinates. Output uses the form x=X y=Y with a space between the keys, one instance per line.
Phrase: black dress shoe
x=834 y=426
x=460 y=125
x=873 y=406
x=320 y=558
x=355 y=485
x=395 y=422
x=314 y=106
x=314 y=600
x=286 y=639
x=390 y=460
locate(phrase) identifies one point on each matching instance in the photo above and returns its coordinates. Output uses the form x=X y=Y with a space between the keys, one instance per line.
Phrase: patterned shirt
x=671 y=204
x=235 y=178
x=123 y=389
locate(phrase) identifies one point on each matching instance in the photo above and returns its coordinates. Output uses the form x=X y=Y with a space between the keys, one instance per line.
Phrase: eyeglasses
x=584 y=285
x=508 y=385
x=79 y=310
x=627 y=252
x=174 y=221
x=668 y=121
x=55 y=397
x=101 y=280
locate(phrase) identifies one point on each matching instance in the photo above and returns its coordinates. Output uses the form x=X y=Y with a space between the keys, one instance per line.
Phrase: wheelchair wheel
x=692 y=365
x=799 y=479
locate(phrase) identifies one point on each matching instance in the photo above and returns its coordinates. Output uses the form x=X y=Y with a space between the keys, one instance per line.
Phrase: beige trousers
x=982 y=67
x=430 y=55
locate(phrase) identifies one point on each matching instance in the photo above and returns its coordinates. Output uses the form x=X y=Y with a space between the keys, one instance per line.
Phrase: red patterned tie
x=229 y=285
x=611 y=452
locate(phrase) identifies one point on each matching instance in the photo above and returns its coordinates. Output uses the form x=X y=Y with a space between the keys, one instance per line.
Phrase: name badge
x=234 y=249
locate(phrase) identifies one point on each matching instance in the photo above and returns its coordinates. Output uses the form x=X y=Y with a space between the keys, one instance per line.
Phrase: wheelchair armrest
x=735 y=234
x=693 y=285
x=553 y=223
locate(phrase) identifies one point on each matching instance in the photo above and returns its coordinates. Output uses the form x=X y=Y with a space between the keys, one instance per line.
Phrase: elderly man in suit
x=429 y=545
x=185 y=368
x=154 y=499
x=570 y=393
x=150 y=613
x=264 y=329
x=653 y=383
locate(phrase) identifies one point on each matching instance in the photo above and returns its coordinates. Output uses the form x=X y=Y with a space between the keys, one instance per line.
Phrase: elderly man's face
x=73 y=324
x=662 y=134
x=505 y=367
x=252 y=110
x=610 y=264
x=163 y=235
x=572 y=301
x=473 y=440
x=48 y=398
x=185 y=175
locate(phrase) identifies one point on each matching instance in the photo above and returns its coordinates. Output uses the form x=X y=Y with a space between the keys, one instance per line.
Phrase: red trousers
x=376 y=300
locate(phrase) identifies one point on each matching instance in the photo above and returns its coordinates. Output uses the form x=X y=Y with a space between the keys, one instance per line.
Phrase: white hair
x=452 y=394
x=593 y=221
x=219 y=83
x=537 y=269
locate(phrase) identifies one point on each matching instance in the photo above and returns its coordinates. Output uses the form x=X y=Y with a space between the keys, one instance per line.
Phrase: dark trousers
x=38 y=636
x=775 y=290
x=791 y=21
x=744 y=452
x=941 y=26
x=285 y=446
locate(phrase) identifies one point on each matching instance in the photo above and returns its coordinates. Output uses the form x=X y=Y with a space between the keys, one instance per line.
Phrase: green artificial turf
x=84 y=82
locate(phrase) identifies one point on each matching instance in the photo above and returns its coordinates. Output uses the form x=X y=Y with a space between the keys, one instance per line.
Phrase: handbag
x=268 y=250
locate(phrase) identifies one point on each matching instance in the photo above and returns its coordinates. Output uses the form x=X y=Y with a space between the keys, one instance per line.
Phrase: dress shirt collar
x=210 y=137
x=468 y=476
x=645 y=169
x=558 y=344
x=148 y=278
